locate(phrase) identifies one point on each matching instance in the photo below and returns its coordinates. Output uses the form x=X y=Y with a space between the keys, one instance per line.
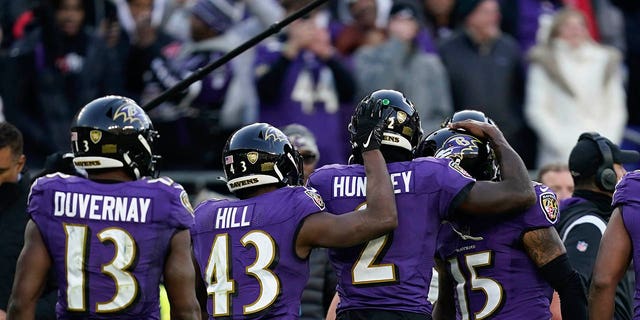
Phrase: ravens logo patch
x=317 y=199
x=549 y=205
x=455 y=165
x=184 y=198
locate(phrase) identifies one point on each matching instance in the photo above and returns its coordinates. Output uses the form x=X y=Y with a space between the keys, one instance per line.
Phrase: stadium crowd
x=553 y=85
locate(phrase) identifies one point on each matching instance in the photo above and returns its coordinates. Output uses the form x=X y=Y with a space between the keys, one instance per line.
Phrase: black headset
x=606 y=177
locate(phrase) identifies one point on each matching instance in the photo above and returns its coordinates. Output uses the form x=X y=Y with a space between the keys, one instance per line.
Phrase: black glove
x=367 y=123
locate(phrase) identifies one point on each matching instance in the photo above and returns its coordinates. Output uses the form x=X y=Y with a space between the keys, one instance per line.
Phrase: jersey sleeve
x=318 y=181
x=545 y=212
x=35 y=198
x=446 y=178
x=308 y=202
x=624 y=193
x=623 y=196
x=181 y=214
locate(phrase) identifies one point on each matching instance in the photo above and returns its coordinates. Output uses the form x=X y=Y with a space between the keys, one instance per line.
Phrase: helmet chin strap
x=136 y=171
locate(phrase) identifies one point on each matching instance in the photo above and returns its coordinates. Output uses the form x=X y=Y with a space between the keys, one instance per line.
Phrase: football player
x=618 y=247
x=253 y=253
x=388 y=277
x=111 y=237
x=503 y=267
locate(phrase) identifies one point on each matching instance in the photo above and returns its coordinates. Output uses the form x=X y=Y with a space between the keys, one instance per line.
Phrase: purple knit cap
x=220 y=15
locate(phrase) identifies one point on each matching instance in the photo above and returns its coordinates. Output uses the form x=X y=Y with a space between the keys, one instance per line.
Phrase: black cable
x=202 y=72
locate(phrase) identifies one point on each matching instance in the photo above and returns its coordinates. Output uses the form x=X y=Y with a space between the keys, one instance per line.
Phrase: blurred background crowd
x=545 y=71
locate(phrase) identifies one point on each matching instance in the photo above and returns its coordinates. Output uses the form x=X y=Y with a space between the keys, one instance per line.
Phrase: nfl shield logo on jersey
x=582 y=246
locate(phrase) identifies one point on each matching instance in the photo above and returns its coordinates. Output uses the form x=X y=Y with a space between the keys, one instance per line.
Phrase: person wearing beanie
x=305 y=142
x=193 y=123
x=596 y=167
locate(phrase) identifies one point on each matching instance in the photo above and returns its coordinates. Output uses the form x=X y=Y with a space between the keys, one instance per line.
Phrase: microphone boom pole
x=203 y=71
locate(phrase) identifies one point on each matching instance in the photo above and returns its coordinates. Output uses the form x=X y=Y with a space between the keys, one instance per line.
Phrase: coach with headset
x=596 y=166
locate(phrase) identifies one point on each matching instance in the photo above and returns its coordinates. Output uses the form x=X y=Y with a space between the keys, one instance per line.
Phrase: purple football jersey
x=309 y=97
x=626 y=195
x=495 y=278
x=246 y=253
x=392 y=272
x=108 y=241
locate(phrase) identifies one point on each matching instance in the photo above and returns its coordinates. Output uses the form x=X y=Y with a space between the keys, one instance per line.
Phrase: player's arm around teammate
x=487 y=197
x=328 y=230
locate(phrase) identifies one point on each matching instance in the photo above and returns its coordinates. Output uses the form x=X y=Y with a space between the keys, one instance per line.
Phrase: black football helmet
x=474 y=155
x=402 y=128
x=260 y=154
x=468 y=114
x=114 y=132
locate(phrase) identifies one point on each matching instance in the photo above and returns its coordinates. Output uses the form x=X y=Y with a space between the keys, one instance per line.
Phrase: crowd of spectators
x=543 y=77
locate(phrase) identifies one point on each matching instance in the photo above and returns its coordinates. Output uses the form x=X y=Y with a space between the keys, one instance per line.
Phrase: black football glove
x=369 y=118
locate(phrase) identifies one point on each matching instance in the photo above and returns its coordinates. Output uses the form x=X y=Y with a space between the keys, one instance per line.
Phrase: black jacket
x=583 y=219
x=13 y=220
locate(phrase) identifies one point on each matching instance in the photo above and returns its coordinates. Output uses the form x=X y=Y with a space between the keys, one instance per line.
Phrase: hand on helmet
x=480 y=130
x=370 y=118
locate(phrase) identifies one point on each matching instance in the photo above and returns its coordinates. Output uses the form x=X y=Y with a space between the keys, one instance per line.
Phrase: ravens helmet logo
x=128 y=113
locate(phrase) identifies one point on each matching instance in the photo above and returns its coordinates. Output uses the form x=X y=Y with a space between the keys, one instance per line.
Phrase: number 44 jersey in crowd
x=246 y=253
x=393 y=272
x=108 y=242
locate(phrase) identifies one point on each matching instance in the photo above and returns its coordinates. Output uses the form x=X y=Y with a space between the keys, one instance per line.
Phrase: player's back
x=486 y=257
x=108 y=242
x=246 y=253
x=392 y=272
x=626 y=194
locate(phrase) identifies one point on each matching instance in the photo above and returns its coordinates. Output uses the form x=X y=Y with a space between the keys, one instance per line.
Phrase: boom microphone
x=203 y=71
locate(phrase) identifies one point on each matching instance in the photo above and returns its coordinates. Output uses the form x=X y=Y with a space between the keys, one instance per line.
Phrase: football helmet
x=114 y=132
x=402 y=128
x=468 y=114
x=260 y=154
x=473 y=154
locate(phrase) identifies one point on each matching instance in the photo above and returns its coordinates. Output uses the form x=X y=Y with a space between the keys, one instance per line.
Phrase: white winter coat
x=571 y=91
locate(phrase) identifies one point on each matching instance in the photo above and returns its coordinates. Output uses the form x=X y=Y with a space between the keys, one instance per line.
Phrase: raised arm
x=547 y=251
x=31 y=275
x=514 y=192
x=613 y=259
x=180 y=278
x=380 y=215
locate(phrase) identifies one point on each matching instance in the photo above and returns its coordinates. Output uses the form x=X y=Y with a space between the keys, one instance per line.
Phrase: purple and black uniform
x=246 y=253
x=494 y=277
x=626 y=195
x=393 y=272
x=307 y=94
x=108 y=242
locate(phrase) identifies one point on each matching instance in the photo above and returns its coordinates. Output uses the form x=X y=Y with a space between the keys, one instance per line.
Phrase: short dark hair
x=551 y=167
x=12 y=137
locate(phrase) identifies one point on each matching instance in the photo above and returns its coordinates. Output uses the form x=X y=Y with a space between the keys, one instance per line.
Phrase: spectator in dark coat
x=486 y=72
x=52 y=72
x=14 y=188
